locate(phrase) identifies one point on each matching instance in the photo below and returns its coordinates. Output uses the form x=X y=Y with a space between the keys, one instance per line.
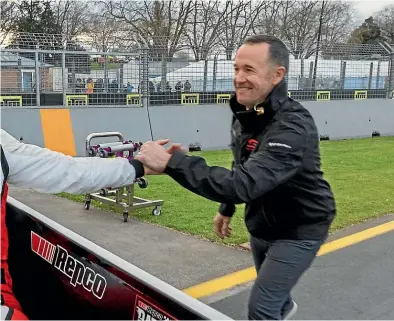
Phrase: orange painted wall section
x=57 y=130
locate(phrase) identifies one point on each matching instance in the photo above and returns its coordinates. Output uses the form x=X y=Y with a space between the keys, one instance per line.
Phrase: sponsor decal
x=251 y=145
x=76 y=271
x=279 y=145
x=144 y=310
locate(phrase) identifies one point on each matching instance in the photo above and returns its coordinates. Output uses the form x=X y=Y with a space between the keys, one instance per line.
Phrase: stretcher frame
x=122 y=196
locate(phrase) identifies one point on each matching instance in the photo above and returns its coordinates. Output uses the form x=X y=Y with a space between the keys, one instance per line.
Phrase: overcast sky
x=366 y=8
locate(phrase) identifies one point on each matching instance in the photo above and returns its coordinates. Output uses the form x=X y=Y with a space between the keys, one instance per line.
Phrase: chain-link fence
x=152 y=77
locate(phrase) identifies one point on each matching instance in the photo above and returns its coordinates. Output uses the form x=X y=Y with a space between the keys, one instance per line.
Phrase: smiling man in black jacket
x=276 y=173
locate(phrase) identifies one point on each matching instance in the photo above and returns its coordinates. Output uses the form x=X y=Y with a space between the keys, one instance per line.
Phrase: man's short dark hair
x=279 y=54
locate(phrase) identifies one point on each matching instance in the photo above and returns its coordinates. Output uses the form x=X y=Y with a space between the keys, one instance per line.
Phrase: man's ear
x=279 y=75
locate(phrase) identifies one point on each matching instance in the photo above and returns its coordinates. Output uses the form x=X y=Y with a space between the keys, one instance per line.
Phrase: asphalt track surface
x=354 y=282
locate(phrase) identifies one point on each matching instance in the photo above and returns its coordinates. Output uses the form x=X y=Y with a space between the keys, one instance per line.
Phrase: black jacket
x=276 y=172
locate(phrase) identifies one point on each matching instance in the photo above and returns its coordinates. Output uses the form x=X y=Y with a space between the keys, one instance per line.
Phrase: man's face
x=254 y=75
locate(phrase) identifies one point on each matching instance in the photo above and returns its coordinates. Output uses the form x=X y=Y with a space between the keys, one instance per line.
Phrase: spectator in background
x=90 y=86
x=78 y=85
x=178 y=86
x=187 y=86
x=151 y=87
x=130 y=87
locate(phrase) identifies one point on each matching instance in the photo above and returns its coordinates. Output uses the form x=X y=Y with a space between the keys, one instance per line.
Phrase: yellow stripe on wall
x=57 y=130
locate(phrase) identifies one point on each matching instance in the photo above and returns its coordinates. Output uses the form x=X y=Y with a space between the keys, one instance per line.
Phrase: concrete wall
x=23 y=123
x=66 y=129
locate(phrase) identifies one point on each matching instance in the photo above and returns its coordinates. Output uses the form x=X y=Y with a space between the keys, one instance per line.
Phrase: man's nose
x=240 y=77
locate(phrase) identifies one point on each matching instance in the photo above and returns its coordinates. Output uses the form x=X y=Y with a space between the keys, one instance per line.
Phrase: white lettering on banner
x=144 y=311
x=76 y=271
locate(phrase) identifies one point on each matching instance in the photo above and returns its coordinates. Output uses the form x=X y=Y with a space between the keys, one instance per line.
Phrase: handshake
x=154 y=156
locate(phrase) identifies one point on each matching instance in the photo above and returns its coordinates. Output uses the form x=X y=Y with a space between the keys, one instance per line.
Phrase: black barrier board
x=57 y=274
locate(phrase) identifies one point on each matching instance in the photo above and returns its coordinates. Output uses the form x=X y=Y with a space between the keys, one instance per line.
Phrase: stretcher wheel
x=87 y=205
x=142 y=183
x=157 y=211
x=125 y=216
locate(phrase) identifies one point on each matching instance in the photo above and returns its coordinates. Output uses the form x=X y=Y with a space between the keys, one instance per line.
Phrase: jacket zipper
x=242 y=145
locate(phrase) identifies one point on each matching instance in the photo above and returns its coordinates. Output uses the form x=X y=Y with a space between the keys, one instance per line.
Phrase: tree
x=103 y=29
x=36 y=17
x=239 y=21
x=300 y=26
x=37 y=27
x=203 y=26
x=72 y=17
x=159 y=25
x=269 y=19
x=302 y=21
x=368 y=33
x=34 y=21
x=385 y=20
x=9 y=12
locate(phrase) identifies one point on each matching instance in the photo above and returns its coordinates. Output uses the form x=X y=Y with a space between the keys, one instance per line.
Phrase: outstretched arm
x=51 y=172
x=278 y=159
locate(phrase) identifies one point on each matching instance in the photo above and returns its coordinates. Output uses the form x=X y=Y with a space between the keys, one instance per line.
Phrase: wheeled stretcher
x=122 y=196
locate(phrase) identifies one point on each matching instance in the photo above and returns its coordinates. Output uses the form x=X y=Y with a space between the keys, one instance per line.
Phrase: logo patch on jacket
x=251 y=145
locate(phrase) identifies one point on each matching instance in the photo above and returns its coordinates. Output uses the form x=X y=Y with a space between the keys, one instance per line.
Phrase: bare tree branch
x=204 y=23
x=72 y=17
x=160 y=24
x=385 y=20
x=239 y=21
x=9 y=12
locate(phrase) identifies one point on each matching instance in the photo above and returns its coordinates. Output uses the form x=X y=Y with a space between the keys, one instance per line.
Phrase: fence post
x=65 y=79
x=145 y=85
x=390 y=83
x=20 y=78
x=370 y=76
x=204 y=86
x=215 y=67
x=106 y=88
x=37 y=63
x=163 y=81
x=343 y=74
x=391 y=77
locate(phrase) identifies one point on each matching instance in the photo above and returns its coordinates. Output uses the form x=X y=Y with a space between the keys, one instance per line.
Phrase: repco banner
x=76 y=271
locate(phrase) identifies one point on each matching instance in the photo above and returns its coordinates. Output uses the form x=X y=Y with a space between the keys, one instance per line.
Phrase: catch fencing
x=151 y=77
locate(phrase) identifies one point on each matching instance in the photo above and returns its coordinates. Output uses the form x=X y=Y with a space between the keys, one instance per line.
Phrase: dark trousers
x=279 y=266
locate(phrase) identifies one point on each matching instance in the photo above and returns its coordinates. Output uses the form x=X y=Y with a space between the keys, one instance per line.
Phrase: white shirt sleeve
x=47 y=171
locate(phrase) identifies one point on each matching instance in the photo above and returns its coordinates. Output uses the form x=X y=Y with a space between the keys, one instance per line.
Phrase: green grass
x=361 y=174
x=98 y=66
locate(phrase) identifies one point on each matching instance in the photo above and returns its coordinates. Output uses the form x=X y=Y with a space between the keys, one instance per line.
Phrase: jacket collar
x=250 y=119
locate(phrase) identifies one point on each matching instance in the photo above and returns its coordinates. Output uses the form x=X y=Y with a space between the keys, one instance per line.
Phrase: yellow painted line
x=57 y=130
x=240 y=277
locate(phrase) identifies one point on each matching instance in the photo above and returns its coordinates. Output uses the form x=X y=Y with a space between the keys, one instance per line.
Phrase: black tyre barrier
x=375 y=133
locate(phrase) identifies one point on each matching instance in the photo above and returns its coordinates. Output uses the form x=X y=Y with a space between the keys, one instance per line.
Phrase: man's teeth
x=243 y=88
